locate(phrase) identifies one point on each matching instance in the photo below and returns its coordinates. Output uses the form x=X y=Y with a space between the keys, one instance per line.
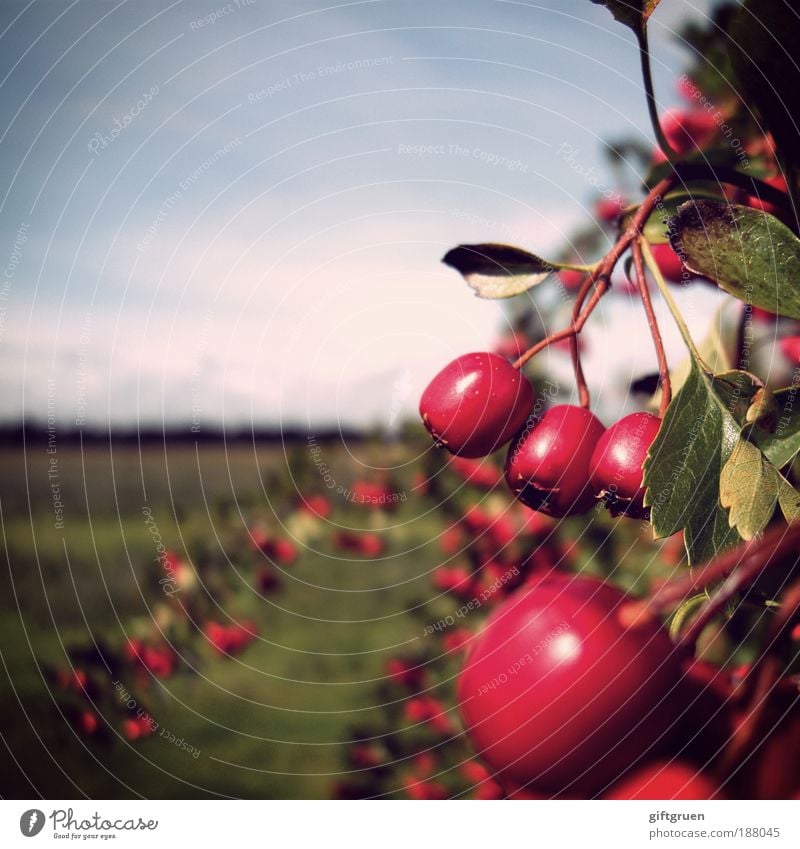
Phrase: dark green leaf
x=683 y=467
x=749 y=253
x=748 y=487
x=763 y=51
x=499 y=271
x=632 y=13
x=737 y=389
x=655 y=228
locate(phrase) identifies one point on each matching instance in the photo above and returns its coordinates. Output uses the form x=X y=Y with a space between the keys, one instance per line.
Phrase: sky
x=234 y=213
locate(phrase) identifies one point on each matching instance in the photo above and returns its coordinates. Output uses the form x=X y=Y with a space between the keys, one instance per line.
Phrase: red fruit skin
x=790 y=348
x=688 y=130
x=778 y=182
x=666 y=780
x=669 y=263
x=616 y=464
x=610 y=209
x=88 y=722
x=571 y=279
x=476 y=404
x=556 y=695
x=547 y=466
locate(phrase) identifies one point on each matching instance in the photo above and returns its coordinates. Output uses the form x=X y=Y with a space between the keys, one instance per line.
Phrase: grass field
x=268 y=723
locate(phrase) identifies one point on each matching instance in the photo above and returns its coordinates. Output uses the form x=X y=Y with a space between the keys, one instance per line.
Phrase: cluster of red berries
x=559 y=462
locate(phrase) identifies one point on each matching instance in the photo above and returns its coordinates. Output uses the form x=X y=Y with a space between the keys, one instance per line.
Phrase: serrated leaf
x=499 y=271
x=633 y=13
x=781 y=444
x=683 y=467
x=748 y=487
x=749 y=253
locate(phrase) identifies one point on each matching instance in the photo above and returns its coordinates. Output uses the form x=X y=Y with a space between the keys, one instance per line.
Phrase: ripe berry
x=616 y=464
x=688 y=130
x=571 y=279
x=790 y=348
x=609 y=209
x=476 y=404
x=547 y=466
x=669 y=263
x=666 y=780
x=558 y=696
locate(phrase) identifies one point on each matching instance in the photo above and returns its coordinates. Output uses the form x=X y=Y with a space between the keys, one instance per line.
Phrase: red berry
x=666 y=780
x=556 y=694
x=88 y=722
x=790 y=348
x=609 y=209
x=688 y=130
x=316 y=505
x=778 y=182
x=452 y=579
x=547 y=466
x=616 y=464
x=405 y=673
x=571 y=279
x=476 y=404
x=669 y=263
x=481 y=473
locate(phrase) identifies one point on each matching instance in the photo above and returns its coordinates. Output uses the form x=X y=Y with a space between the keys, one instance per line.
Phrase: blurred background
x=222 y=296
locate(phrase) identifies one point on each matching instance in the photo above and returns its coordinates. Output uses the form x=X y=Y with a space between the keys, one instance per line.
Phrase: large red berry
x=476 y=404
x=558 y=696
x=667 y=780
x=547 y=466
x=616 y=464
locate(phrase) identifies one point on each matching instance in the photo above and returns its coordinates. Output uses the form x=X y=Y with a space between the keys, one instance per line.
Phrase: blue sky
x=236 y=211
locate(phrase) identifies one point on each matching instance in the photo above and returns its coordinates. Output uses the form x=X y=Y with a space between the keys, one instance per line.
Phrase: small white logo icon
x=31 y=822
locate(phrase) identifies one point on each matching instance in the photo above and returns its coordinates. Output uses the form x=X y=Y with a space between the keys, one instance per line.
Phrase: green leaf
x=789 y=500
x=687 y=607
x=683 y=467
x=782 y=443
x=633 y=13
x=763 y=410
x=737 y=389
x=499 y=271
x=763 y=52
x=748 y=486
x=750 y=254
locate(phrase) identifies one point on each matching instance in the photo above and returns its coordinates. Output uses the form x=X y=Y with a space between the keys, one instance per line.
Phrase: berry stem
x=753 y=557
x=762 y=680
x=600 y=281
x=663 y=366
x=652 y=108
